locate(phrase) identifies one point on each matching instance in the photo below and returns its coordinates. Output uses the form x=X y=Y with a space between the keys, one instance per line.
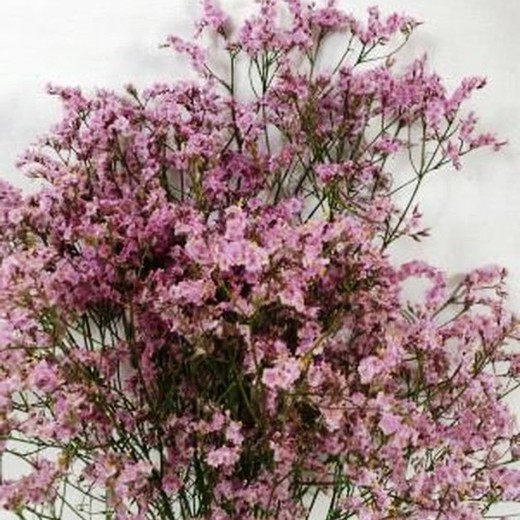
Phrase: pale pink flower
x=283 y=375
x=222 y=457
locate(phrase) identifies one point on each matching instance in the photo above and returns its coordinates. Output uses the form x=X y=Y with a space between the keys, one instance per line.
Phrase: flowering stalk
x=200 y=316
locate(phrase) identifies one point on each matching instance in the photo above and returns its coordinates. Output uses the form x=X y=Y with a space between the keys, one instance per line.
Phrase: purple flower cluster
x=199 y=313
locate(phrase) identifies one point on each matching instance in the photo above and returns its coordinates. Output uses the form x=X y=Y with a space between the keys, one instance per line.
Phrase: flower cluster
x=199 y=313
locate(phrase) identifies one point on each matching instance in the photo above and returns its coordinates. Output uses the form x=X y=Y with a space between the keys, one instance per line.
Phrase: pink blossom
x=192 y=291
x=222 y=457
x=369 y=368
x=389 y=423
x=283 y=375
x=44 y=377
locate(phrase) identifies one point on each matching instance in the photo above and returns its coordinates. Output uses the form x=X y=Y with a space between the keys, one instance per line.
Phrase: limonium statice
x=200 y=313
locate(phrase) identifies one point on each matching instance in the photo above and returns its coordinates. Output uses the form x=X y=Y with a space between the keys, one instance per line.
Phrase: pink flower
x=333 y=417
x=292 y=295
x=389 y=423
x=234 y=434
x=369 y=368
x=214 y=17
x=241 y=253
x=197 y=54
x=222 y=457
x=327 y=172
x=283 y=375
x=44 y=377
x=192 y=291
x=236 y=222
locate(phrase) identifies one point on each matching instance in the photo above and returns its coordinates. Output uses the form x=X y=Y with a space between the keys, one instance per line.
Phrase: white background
x=474 y=214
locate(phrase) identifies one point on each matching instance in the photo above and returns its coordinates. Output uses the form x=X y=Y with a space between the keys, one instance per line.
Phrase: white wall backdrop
x=474 y=214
